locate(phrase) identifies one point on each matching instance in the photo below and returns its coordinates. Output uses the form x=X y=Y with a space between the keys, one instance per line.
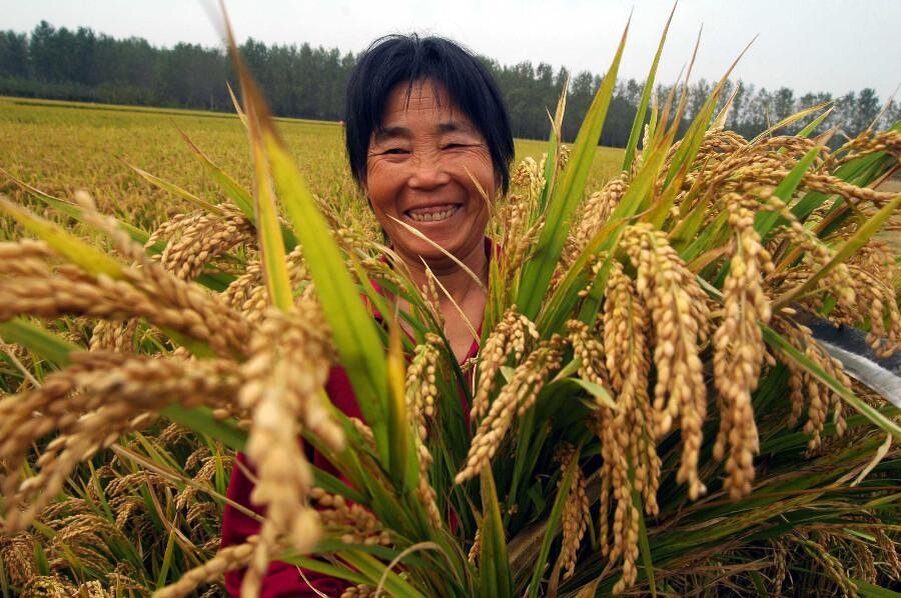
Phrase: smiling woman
x=429 y=167
x=429 y=141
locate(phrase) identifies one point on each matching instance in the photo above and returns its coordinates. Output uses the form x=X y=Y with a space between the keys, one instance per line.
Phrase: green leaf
x=869 y=590
x=38 y=340
x=538 y=271
x=494 y=578
x=167 y=559
x=201 y=420
x=91 y=260
x=788 y=120
x=234 y=191
x=354 y=330
x=217 y=281
x=643 y=544
x=597 y=391
x=374 y=570
x=72 y=210
x=553 y=150
x=400 y=441
x=176 y=190
x=272 y=246
x=766 y=221
x=322 y=567
x=552 y=525
x=638 y=123
x=812 y=125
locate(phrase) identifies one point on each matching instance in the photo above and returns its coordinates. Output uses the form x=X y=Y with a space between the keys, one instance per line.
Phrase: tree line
x=306 y=82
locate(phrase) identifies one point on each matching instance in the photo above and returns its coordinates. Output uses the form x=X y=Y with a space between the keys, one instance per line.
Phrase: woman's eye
x=453 y=145
x=395 y=151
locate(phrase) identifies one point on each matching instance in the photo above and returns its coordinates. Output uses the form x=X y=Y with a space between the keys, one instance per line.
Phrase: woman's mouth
x=432 y=213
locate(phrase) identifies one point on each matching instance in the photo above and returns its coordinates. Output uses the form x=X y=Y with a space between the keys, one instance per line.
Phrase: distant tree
x=43 y=53
x=13 y=54
x=783 y=104
x=864 y=113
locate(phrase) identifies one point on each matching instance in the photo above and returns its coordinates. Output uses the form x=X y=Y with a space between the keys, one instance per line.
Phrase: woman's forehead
x=420 y=95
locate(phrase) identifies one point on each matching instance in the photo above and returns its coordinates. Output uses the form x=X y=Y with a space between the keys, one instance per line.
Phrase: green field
x=60 y=147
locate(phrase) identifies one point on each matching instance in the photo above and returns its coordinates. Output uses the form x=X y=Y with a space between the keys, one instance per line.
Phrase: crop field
x=61 y=147
x=649 y=411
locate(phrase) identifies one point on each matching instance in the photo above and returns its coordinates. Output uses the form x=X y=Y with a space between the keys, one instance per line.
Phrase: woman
x=429 y=142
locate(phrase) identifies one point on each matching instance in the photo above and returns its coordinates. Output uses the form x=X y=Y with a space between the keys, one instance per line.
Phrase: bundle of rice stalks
x=651 y=410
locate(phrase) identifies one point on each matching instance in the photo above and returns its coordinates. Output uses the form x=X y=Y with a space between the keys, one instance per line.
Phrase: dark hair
x=397 y=59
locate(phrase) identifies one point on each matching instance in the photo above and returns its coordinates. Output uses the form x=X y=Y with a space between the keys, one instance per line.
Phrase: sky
x=808 y=45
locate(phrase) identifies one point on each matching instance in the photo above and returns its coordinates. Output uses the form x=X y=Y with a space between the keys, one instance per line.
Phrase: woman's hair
x=396 y=59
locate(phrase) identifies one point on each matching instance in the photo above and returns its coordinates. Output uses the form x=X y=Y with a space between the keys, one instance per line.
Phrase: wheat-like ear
x=288 y=366
x=514 y=398
x=227 y=559
x=679 y=318
x=739 y=350
x=627 y=433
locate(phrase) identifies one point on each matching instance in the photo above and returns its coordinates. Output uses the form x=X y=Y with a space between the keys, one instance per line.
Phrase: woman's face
x=420 y=169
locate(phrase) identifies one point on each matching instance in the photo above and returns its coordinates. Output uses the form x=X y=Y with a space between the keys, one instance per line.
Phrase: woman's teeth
x=432 y=214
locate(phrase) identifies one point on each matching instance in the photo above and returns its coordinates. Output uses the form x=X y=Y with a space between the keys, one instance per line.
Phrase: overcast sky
x=808 y=45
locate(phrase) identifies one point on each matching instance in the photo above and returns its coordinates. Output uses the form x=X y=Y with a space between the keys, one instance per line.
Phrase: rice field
x=650 y=414
x=60 y=147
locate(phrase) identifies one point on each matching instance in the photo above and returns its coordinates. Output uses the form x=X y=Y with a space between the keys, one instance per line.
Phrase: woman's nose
x=428 y=173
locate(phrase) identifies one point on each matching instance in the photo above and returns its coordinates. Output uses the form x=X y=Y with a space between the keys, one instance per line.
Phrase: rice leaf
x=201 y=420
x=766 y=222
x=242 y=199
x=374 y=570
x=551 y=526
x=88 y=258
x=775 y=340
x=38 y=340
x=217 y=281
x=869 y=590
x=812 y=125
x=555 y=141
x=353 y=328
x=167 y=559
x=176 y=190
x=494 y=578
x=597 y=391
x=537 y=272
x=789 y=120
x=72 y=210
x=272 y=247
x=237 y=105
x=644 y=545
x=399 y=438
x=638 y=123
